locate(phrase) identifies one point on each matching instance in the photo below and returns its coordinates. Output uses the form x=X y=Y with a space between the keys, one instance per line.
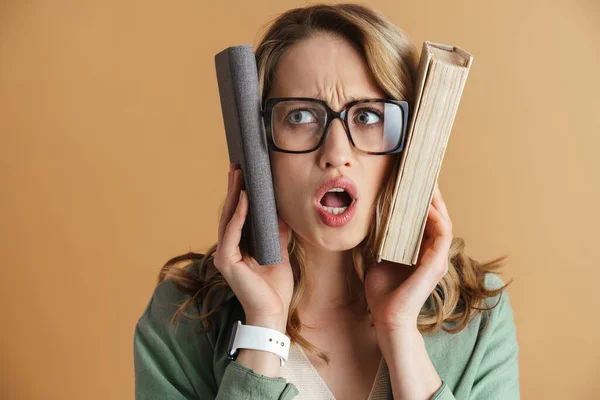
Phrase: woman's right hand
x=265 y=291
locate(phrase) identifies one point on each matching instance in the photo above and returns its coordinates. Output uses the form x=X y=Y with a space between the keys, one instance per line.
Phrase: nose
x=337 y=149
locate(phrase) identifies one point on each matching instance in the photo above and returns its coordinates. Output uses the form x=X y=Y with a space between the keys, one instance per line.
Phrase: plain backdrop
x=113 y=159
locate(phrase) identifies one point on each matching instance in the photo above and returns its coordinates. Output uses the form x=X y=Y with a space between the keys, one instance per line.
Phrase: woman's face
x=326 y=67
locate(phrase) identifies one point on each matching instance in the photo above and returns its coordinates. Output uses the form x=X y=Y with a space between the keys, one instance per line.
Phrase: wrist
x=399 y=344
x=267 y=363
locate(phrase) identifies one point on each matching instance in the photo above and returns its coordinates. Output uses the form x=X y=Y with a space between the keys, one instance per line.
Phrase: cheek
x=384 y=170
x=279 y=171
x=282 y=189
x=285 y=181
x=379 y=172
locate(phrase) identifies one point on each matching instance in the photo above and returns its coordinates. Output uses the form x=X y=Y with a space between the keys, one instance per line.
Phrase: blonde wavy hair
x=392 y=59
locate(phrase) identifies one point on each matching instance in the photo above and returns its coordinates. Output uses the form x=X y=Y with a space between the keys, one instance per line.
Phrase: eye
x=300 y=116
x=367 y=116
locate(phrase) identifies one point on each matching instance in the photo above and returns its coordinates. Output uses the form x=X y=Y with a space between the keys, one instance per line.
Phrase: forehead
x=326 y=67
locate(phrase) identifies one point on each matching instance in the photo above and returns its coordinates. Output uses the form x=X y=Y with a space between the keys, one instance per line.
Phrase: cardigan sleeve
x=241 y=382
x=176 y=362
x=497 y=375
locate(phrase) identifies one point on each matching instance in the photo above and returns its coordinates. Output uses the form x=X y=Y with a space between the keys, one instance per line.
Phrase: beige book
x=441 y=78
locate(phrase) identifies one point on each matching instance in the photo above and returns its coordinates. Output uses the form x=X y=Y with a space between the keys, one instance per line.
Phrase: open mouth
x=336 y=201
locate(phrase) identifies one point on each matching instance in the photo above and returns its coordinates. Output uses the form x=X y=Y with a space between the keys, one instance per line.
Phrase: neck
x=328 y=276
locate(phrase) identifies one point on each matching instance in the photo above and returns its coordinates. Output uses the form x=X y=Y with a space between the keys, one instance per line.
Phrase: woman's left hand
x=396 y=292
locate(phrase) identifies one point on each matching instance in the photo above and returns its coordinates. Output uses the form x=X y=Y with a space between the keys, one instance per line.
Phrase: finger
x=233 y=231
x=430 y=225
x=230 y=203
x=423 y=281
x=225 y=210
x=431 y=232
x=438 y=202
x=229 y=177
x=438 y=229
x=222 y=208
x=419 y=283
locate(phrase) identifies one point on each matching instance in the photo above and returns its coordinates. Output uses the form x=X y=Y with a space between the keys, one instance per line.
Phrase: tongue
x=335 y=199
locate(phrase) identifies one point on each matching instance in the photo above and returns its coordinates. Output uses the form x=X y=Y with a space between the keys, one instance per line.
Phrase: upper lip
x=338 y=182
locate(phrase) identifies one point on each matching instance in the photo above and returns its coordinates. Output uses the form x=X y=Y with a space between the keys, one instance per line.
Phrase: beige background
x=113 y=159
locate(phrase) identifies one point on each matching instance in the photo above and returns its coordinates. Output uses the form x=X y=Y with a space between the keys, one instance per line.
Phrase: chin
x=332 y=239
x=339 y=243
x=308 y=228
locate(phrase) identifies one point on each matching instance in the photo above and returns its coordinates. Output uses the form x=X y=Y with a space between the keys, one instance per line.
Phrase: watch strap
x=260 y=338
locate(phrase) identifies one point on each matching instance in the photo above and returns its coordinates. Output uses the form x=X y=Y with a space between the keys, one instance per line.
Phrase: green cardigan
x=181 y=362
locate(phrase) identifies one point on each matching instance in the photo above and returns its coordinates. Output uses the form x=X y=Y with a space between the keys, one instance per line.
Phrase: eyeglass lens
x=298 y=125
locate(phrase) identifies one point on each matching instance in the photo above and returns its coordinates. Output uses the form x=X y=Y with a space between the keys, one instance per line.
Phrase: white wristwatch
x=258 y=338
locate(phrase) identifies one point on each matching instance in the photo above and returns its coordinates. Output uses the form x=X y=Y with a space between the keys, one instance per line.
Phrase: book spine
x=250 y=149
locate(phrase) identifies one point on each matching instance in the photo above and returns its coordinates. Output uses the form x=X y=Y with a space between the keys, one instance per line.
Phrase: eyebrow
x=350 y=99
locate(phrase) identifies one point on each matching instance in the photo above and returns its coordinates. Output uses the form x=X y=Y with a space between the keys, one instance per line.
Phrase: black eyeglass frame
x=267 y=113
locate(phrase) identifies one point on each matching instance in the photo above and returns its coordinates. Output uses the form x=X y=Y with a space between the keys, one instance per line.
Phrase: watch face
x=231 y=339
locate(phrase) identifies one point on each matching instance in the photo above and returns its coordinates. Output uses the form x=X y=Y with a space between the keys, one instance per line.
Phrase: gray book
x=237 y=78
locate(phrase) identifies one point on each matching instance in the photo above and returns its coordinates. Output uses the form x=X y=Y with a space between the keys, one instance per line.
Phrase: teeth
x=335 y=210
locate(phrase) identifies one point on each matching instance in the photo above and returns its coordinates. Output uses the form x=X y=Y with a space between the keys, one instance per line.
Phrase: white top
x=299 y=370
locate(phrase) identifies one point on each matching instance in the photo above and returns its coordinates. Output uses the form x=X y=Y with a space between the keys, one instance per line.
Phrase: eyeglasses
x=301 y=124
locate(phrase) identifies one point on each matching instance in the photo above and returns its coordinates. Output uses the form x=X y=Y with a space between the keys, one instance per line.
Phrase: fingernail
x=230 y=167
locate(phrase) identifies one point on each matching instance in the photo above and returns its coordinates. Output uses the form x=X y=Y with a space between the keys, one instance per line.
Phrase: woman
x=442 y=329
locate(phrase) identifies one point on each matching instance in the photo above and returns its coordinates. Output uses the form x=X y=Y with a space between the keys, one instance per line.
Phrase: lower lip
x=336 y=220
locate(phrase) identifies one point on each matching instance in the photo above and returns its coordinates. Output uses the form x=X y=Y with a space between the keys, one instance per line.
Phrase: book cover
x=237 y=78
x=442 y=74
